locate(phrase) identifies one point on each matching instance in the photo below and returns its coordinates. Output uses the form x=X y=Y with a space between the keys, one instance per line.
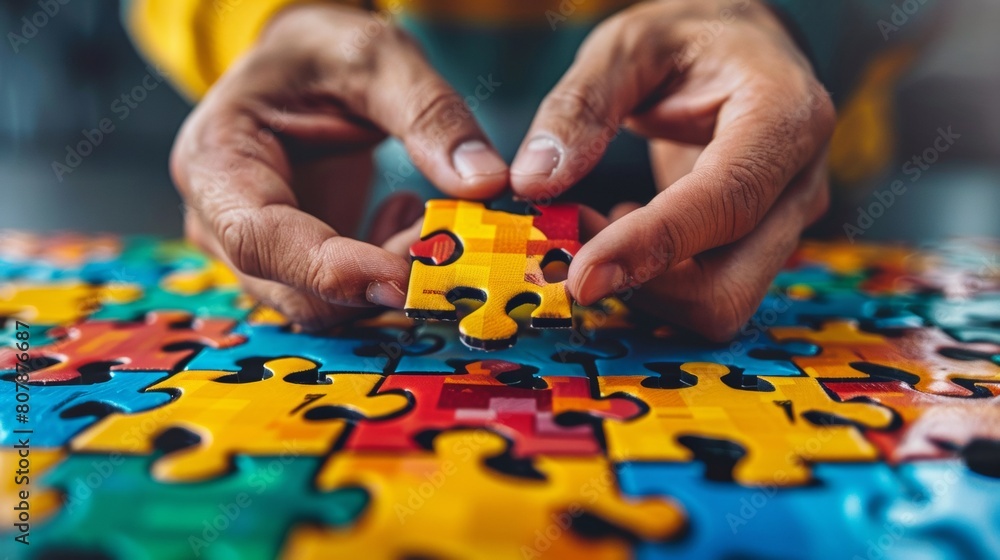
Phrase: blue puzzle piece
x=551 y=351
x=59 y=412
x=950 y=510
x=966 y=320
x=753 y=352
x=835 y=519
x=874 y=312
x=359 y=351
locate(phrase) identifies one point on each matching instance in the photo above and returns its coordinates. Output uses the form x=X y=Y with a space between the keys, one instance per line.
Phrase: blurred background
x=60 y=85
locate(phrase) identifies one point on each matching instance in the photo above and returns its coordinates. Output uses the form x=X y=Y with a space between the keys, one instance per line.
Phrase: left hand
x=738 y=127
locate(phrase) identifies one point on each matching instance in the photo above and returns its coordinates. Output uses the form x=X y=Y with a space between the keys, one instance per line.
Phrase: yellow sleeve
x=192 y=42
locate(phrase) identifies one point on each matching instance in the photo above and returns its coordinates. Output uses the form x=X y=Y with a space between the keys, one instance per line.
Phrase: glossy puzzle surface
x=856 y=416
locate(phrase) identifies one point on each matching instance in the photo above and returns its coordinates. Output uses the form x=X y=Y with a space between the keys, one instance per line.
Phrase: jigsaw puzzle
x=152 y=410
x=497 y=258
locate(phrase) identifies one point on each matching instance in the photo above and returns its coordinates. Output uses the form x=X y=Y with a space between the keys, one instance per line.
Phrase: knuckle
x=745 y=199
x=583 y=103
x=238 y=236
x=331 y=281
x=435 y=111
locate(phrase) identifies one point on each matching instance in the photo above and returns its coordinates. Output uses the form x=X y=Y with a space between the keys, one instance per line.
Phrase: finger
x=302 y=309
x=759 y=148
x=617 y=66
x=395 y=214
x=622 y=209
x=716 y=292
x=245 y=198
x=410 y=100
x=400 y=243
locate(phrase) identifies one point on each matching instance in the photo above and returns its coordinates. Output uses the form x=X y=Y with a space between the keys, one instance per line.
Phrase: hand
x=738 y=128
x=274 y=163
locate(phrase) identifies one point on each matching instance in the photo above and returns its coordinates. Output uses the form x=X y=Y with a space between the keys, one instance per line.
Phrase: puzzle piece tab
x=469 y=510
x=753 y=353
x=932 y=426
x=355 y=350
x=58 y=412
x=250 y=412
x=778 y=421
x=467 y=251
x=502 y=397
x=158 y=343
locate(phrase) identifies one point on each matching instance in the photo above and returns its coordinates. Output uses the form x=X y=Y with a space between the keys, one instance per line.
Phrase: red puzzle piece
x=478 y=399
x=142 y=345
x=930 y=423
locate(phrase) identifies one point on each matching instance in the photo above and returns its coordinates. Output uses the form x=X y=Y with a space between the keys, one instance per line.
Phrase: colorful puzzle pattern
x=857 y=414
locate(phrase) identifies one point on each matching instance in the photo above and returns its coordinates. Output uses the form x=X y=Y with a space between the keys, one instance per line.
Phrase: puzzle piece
x=782 y=423
x=837 y=519
x=777 y=310
x=242 y=413
x=451 y=504
x=42 y=501
x=221 y=303
x=916 y=351
x=949 y=512
x=927 y=420
x=64 y=303
x=467 y=251
x=51 y=258
x=159 y=342
x=966 y=320
x=215 y=276
x=357 y=350
x=437 y=348
x=626 y=352
x=58 y=412
x=501 y=396
x=244 y=514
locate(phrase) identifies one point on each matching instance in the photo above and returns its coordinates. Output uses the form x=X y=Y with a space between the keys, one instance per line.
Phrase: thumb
x=614 y=69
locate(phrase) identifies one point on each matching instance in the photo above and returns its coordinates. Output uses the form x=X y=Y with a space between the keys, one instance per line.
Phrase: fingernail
x=386 y=294
x=599 y=281
x=475 y=159
x=540 y=157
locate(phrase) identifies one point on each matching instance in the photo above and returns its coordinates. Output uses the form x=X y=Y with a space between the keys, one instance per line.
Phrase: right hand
x=274 y=164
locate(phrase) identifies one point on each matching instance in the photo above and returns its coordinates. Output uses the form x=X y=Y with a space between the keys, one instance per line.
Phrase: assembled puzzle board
x=149 y=410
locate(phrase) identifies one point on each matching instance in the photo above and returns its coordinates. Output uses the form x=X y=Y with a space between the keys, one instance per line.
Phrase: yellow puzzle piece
x=43 y=502
x=449 y=504
x=468 y=251
x=188 y=282
x=60 y=304
x=771 y=423
x=278 y=414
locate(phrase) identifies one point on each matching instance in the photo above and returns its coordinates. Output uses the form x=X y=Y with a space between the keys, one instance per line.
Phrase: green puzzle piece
x=114 y=508
x=215 y=303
